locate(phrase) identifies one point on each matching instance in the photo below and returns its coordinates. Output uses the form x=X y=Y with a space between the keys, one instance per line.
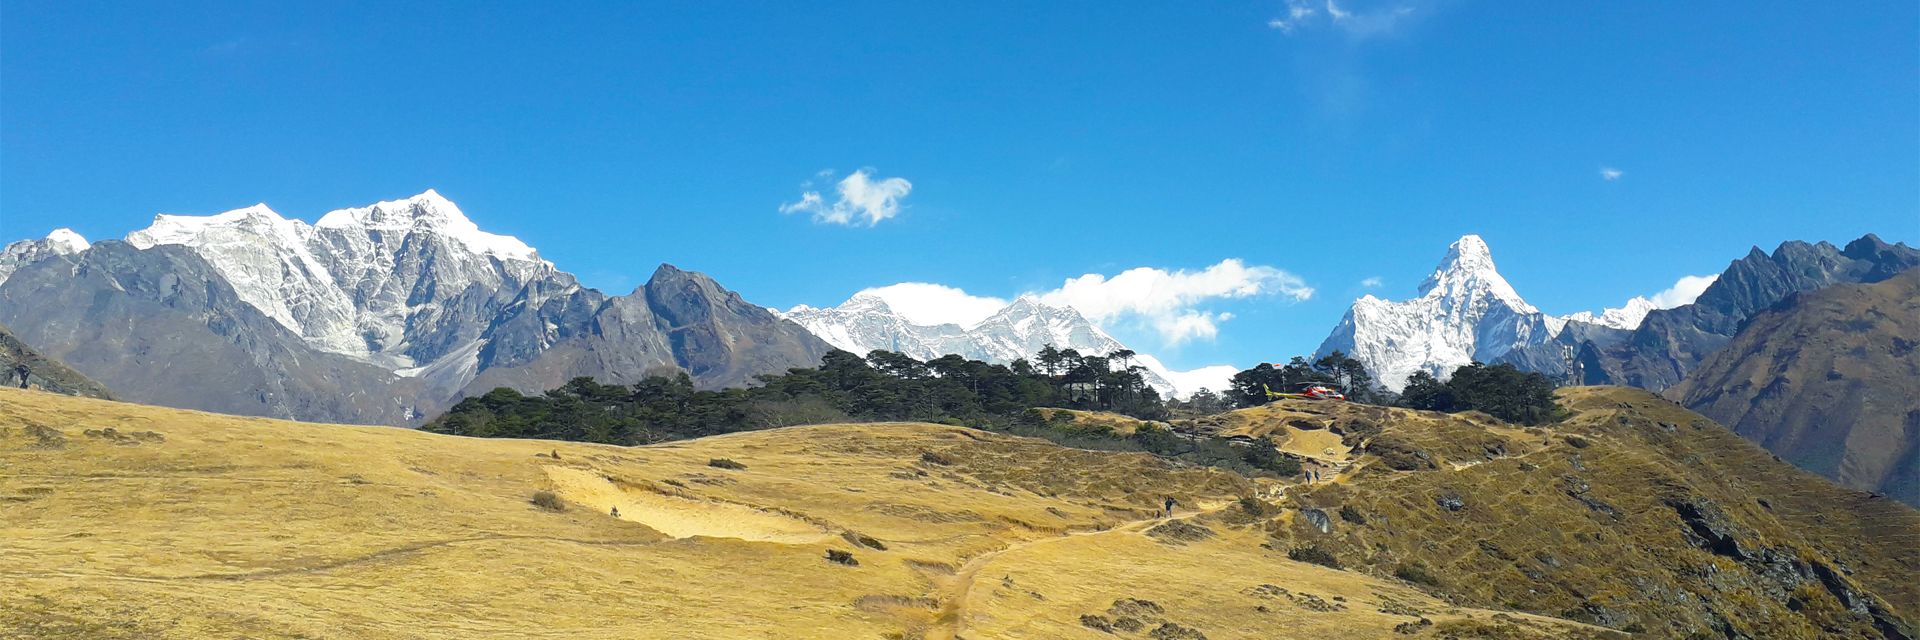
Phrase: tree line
x=883 y=386
x=1500 y=390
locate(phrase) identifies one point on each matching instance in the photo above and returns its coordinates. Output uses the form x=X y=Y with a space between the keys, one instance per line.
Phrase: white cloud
x=1683 y=291
x=859 y=199
x=1372 y=283
x=1611 y=174
x=1166 y=300
x=1297 y=12
x=926 y=303
x=1358 y=23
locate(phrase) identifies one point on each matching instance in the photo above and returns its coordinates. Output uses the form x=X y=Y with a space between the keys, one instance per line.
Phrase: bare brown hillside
x=1828 y=380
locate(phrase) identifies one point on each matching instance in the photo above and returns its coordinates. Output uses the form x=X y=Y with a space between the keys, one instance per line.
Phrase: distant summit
x=377 y=314
x=1019 y=330
x=1466 y=312
x=62 y=242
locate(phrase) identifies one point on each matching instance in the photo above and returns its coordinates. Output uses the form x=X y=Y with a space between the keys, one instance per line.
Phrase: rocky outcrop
x=22 y=367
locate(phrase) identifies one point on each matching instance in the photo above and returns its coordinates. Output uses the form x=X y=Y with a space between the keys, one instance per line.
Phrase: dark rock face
x=678 y=321
x=1671 y=342
x=160 y=326
x=22 y=367
x=721 y=339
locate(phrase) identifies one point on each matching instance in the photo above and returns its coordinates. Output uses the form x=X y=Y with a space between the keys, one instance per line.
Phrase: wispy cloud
x=1611 y=174
x=858 y=199
x=1363 y=22
x=1372 y=283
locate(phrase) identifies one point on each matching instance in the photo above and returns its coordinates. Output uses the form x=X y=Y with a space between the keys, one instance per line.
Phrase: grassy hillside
x=126 y=521
x=1829 y=380
x=1634 y=514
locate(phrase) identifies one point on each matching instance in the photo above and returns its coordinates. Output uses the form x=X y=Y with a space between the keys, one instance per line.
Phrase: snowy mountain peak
x=64 y=240
x=428 y=211
x=1466 y=312
x=1627 y=317
x=24 y=252
x=257 y=220
x=862 y=303
x=1468 y=272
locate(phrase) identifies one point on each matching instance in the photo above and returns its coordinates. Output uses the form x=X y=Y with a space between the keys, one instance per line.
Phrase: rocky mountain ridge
x=379 y=314
x=1827 y=379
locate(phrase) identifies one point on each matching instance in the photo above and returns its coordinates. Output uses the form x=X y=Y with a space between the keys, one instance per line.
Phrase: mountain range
x=1807 y=351
x=1467 y=312
x=1019 y=330
x=383 y=314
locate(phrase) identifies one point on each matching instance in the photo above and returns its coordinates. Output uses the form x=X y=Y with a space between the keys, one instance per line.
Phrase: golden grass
x=182 y=524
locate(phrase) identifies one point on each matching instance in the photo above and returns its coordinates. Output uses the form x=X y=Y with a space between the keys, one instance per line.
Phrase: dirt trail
x=952 y=593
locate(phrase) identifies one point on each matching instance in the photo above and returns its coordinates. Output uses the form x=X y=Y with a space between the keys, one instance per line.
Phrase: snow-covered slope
x=1466 y=312
x=401 y=283
x=1019 y=330
x=61 y=242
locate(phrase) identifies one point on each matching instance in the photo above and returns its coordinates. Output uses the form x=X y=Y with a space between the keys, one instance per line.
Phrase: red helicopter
x=1308 y=391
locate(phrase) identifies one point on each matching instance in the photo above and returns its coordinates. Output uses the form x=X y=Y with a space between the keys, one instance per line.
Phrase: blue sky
x=1042 y=141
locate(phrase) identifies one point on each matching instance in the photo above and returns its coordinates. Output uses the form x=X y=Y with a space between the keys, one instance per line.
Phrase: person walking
x=1169 y=506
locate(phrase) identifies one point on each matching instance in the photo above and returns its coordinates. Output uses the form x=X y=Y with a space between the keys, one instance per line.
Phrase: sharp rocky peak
x=1468 y=271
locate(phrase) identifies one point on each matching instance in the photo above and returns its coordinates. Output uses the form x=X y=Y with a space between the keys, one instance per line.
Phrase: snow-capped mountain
x=1466 y=312
x=400 y=283
x=61 y=242
x=1019 y=330
x=384 y=313
x=1626 y=318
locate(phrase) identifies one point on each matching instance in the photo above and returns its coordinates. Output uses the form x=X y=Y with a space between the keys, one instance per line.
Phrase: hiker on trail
x=616 y=512
x=1170 y=503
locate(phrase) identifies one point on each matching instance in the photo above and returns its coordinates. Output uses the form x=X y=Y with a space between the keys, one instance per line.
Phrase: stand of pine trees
x=884 y=386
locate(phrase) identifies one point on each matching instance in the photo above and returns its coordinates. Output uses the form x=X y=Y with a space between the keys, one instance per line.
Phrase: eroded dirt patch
x=678 y=516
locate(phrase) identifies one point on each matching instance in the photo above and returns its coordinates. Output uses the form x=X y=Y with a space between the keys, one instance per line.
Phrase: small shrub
x=1096 y=622
x=932 y=457
x=1175 y=631
x=1256 y=507
x=1314 y=555
x=1578 y=442
x=1350 y=514
x=547 y=500
x=723 y=463
x=1416 y=574
x=837 y=556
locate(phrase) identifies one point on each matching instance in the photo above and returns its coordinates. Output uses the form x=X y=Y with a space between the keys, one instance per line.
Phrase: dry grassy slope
x=127 y=521
x=1830 y=380
x=1120 y=424
x=1635 y=513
